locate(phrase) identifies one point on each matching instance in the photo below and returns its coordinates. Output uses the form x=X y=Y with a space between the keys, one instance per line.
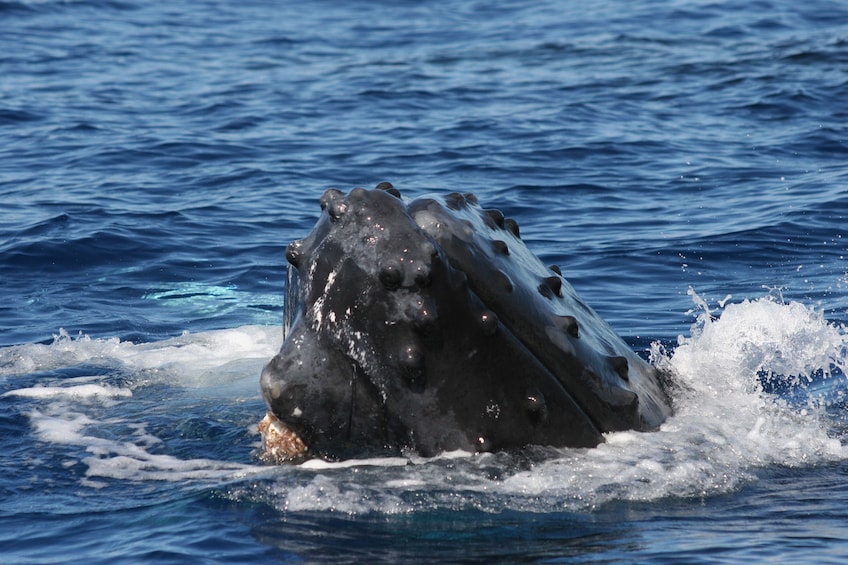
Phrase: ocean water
x=686 y=163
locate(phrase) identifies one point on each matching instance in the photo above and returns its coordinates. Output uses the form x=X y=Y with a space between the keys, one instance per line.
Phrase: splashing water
x=726 y=427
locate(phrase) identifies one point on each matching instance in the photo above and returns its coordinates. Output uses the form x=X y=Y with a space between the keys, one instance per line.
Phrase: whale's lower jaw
x=430 y=326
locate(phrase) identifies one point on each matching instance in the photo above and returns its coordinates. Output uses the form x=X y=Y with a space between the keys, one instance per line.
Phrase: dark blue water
x=685 y=163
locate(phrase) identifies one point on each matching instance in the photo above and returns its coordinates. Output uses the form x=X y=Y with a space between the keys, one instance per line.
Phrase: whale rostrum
x=428 y=325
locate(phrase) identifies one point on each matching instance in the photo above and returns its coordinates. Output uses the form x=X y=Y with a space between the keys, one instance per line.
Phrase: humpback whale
x=428 y=326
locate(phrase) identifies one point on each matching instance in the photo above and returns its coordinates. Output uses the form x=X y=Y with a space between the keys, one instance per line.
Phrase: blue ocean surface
x=685 y=163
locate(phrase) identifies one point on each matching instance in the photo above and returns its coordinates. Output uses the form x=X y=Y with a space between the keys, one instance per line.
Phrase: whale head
x=429 y=326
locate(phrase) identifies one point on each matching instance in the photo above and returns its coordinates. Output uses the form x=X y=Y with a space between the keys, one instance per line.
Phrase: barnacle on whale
x=280 y=443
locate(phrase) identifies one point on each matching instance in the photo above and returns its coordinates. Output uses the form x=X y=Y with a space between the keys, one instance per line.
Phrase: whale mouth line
x=280 y=443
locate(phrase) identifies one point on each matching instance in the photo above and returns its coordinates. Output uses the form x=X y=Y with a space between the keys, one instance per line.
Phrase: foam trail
x=62 y=423
x=83 y=391
x=94 y=411
x=197 y=359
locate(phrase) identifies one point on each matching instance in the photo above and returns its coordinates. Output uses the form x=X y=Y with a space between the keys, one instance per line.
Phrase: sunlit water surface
x=685 y=164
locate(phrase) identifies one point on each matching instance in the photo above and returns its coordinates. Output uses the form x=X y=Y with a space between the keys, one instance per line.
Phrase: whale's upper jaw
x=431 y=326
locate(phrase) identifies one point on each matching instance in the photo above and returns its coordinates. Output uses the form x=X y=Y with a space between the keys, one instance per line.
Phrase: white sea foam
x=199 y=359
x=77 y=392
x=63 y=411
x=128 y=458
x=725 y=429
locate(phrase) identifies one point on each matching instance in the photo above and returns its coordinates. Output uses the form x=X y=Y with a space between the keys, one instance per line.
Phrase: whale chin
x=429 y=326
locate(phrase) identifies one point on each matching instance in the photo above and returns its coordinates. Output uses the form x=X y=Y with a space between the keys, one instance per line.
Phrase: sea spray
x=727 y=428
